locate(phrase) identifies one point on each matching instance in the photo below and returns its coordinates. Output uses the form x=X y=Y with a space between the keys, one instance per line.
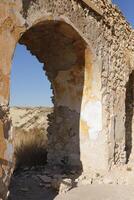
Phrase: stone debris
x=65 y=186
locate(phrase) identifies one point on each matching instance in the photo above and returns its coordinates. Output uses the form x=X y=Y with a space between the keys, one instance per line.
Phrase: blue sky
x=127 y=8
x=29 y=84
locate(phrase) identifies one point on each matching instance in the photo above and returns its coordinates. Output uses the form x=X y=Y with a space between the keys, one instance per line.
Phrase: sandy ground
x=100 y=192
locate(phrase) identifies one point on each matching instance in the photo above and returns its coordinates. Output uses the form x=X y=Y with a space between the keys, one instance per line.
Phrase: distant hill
x=27 y=118
x=29 y=135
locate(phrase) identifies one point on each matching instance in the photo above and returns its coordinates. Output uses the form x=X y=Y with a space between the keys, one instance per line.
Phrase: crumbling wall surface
x=8 y=38
x=5 y=150
x=88 y=71
x=115 y=74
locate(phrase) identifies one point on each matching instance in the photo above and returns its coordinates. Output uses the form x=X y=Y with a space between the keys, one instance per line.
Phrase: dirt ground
x=30 y=184
x=27 y=185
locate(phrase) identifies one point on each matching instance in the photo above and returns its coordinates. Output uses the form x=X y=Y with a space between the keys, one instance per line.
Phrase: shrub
x=30 y=147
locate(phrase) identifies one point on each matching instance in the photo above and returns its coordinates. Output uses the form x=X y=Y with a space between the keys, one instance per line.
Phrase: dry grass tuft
x=30 y=147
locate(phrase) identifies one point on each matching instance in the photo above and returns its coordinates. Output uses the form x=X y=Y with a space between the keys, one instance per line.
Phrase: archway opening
x=129 y=123
x=30 y=103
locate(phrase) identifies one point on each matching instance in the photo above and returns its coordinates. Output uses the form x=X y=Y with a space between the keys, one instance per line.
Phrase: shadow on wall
x=129 y=123
x=62 y=50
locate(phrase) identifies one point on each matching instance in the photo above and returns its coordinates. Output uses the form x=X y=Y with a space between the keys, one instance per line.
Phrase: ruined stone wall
x=94 y=120
x=110 y=40
x=116 y=73
x=8 y=36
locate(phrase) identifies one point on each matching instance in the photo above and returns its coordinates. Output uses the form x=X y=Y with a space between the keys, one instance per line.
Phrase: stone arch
x=75 y=15
x=68 y=63
x=129 y=122
x=63 y=51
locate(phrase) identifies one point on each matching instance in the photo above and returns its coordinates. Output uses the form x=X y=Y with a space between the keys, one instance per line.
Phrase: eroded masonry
x=87 y=49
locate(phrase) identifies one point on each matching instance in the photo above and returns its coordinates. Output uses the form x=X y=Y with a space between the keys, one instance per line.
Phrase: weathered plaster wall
x=92 y=83
x=8 y=36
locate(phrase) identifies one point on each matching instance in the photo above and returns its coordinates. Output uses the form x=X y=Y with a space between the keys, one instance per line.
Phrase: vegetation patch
x=30 y=147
